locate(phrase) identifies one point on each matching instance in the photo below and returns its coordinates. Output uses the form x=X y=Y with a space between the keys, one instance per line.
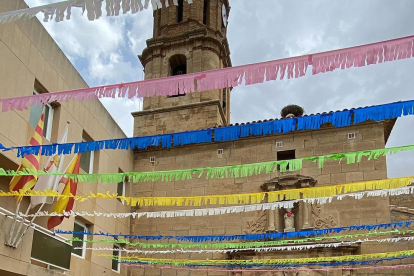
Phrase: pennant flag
x=30 y=162
x=65 y=204
x=50 y=182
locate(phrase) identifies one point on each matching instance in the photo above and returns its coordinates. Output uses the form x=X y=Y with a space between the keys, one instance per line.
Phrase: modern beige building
x=31 y=62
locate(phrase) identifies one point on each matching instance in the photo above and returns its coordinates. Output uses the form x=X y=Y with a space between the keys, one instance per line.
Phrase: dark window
x=180 y=11
x=285 y=155
x=36 y=112
x=121 y=187
x=224 y=100
x=116 y=265
x=179 y=70
x=206 y=12
x=81 y=235
x=88 y=157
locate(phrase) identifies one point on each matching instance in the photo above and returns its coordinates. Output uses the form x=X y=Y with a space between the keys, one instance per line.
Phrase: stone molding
x=187 y=36
x=294 y=181
x=399 y=209
x=181 y=107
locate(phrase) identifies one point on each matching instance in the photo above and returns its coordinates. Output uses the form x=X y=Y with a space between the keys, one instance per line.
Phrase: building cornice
x=182 y=107
x=201 y=33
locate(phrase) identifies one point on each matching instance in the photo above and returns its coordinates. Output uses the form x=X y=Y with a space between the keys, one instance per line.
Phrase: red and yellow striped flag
x=27 y=182
x=65 y=204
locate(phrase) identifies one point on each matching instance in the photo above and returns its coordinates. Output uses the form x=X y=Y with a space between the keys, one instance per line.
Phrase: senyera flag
x=31 y=162
x=65 y=204
x=50 y=182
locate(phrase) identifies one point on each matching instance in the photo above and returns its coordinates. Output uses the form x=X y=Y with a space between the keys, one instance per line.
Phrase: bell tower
x=187 y=38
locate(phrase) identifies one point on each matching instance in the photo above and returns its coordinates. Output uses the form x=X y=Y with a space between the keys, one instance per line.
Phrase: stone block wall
x=260 y=149
x=181 y=118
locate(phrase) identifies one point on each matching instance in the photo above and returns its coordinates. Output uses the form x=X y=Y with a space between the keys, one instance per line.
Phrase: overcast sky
x=105 y=51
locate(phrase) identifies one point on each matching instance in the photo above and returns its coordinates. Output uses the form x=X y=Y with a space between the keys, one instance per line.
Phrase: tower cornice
x=188 y=36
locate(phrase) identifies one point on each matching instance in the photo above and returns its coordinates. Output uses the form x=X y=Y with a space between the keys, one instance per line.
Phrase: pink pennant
x=294 y=67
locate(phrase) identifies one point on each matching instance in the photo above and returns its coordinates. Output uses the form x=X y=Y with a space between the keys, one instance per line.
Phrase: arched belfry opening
x=178 y=65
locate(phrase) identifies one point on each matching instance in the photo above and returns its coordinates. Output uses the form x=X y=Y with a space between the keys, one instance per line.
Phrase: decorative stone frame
x=275 y=220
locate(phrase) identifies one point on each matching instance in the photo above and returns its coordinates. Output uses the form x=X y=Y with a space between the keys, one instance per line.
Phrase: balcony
x=39 y=253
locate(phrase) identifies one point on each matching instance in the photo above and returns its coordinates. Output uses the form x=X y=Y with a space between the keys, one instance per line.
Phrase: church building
x=192 y=38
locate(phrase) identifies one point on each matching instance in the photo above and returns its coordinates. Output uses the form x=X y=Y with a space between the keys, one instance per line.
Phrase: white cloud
x=121 y=109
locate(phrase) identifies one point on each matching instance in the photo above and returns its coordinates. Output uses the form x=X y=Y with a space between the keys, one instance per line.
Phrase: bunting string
x=229 y=133
x=290 y=266
x=255 y=249
x=242 y=245
x=234 y=171
x=227 y=210
x=93 y=8
x=405 y=253
x=295 y=67
x=244 y=237
x=297 y=270
x=377 y=187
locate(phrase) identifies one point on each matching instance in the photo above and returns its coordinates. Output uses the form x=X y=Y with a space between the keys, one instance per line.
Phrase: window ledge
x=77 y=256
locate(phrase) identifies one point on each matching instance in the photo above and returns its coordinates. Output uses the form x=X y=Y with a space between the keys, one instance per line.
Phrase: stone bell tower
x=187 y=38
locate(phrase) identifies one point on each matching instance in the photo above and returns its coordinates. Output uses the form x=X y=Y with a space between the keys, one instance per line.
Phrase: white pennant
x=255 y=249
x=93 y=9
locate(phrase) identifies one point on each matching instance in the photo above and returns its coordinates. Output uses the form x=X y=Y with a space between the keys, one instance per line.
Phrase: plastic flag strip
x=297 y=270
x=228 y=210
x=230 y=133
x=338 y=259
x=255 y=249
x=245 y=237
x=295 y=67
x=377 y=187
x=93 y=8
x=241 y=245
x=234 y=171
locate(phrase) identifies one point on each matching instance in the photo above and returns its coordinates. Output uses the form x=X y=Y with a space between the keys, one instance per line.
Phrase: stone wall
x=176 y=119
x=259 y=149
